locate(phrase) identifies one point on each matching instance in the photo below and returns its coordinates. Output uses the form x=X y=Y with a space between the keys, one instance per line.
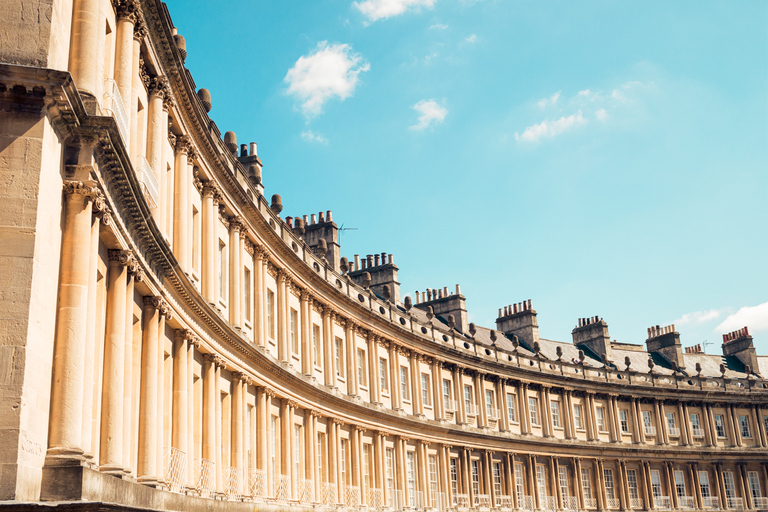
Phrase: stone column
x=149 y=423
x=84 y=48
x=111 y=445
x=525 y=421
x=709 y=419
x=437 y=394
x=131 y=385
x=181 y=207
x=413 y=359
x=637 y=421
x=165 y=314
x=286 y=440
x=283 y=351
x=180 y=430
x=759 y=426
x=239 y=381
x=310 y=445
x=193 y=343
x=614 y=430
x=65 y=438
x=670 y=480
x=578 y=484
x=587 y=407
x=567 y=414
x=600 y=485
x=157 y=131
x=329 y=369
x=374 y=390
x=394 y=381
x=482 y=414
x=647 y=485
x=624 y=494
x=741 y=475
x=260 y=259
x=501 y=399
x=682 y=413
x=218 y=441
x=488 y=480
x=128 y=15
x=351 y=359
x=210 y=362
x=354 y=459
x=533 y=486
x=693 y=471
x=235 y=272
x=333 y=454
x=661 y=421
x=307 y=363
x=720 y=484
x=553 y=482
x=210 y=221
x=546 y=416
x=511 y=484
x=736 y=428
x=132 y=102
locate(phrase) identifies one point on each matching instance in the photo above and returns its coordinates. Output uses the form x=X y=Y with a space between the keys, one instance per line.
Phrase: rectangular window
x=433 y=481
x=730 y=486
x=656 y=483
x=362 y=375
x=704 y=484
x=586 y=483
x=672 y=425
x=647 y=424
x=366 y=469
x=497 y=478
x=533 y=406
x=600 y=411
x=511 y=409
x=632 y=484
x=411 y=461
x=454 y=477
x=554 y=406
x=719 y=425
x=343 y=461
x=317 y=354
x=271 y=313
x=562 y=477
x=338 y=347
x=610 y=491
x=577 y=418
x=680 y=483
x=624 y=421
x=294 y=331
x=426 y=394
x=519 y=483
x=247 y=294
x=490 y=410
x=390 y=468
x=744 y=423
x=447 y=395
x=541 y=482
x=383 y=374
x=404 y=395
x=475 y=477
x=754 y=484
x=696 y=426
x=468 y=400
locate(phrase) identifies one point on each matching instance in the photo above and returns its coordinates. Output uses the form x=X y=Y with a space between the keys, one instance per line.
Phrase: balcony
x=614 y=503
x=525 y=503
x=375 y=499
x=306 y=491
x=471 y=409
x=710 y=502
x=570 y=503
x=175 y=469
x=113 y=105
x=205 y=478
x=662 y=502
x=449 y=405
x=492 y=413
x=352 y=496
x=460 y=501
x=636 y=503
x=503 y=502
x=697 y=432
x=148 y=179
x=482 y=501
x=257 y=483
x=590 y=502
x=232 y=483
x=549 y=503
x=760 y=502
x=328 y=494
x=687 y=502
x=650 y=430
x=735 y=503
x=281 y=487
x=674 y=432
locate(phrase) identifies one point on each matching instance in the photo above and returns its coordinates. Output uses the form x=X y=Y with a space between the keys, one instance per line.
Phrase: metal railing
x=697 y=432
x=650 y=430
x=482 y=501
x=662 y=502
x=148 y=179
x=328 y=492
x=175 y=469
x=352 y=495
x=674 y=431
x=438 y=500
x=735 y=503
x=375 y=499
x=503 y=501
x=205 y=478
x=710 y=502
x=398 y=500
x=614 y=503
x=526 y=502
x=471 y=409
x=306 y=490
x=636 y=503
x=113 y=105
x=550 y=503
x=492 y=413
x=460 y=500
x=590 y=502
x=570 y=503
x=760 y=502
x=257 y=483
x=449 y=405
x=417 y=500
x=687 y=502
x=281 y=487
x=232 y=482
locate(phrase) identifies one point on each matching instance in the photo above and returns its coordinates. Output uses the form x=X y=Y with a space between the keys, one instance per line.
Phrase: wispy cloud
x=548 y=128
x=601 y=114
x=699 y=317
x=552 y=100
x=754 y=317
x=330 y=70
x=431 y=113
x=375 y=10
x=471 y=39
x=311 y=136
x=438 y=26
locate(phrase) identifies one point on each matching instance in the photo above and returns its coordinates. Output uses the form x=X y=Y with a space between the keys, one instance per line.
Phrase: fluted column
x=180 y=430
x=84 y=48
x=181 y=207
x=351 y=359
x=111 y=446
x=235 y=272
x=65 y=438
x=149 y=422
x=209 y=238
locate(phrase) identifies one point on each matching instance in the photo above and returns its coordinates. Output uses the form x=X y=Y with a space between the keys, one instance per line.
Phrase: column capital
x=337 y=421
x=184 y=335
x=119 y=257
x=293 y=404
x=85 y=189
x=236 y=224
x=267 y=391
x=127 y=9
x=305 y=296
x=183 y=145
x=210 y=189
x=152 y=301
x=315 y=413
x=140 y=30
x=158 y=86
x=360 y=428
x=243 y=377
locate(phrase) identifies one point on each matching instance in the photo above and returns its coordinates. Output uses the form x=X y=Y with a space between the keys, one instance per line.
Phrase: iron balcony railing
x=113 y=105
x=148 y=179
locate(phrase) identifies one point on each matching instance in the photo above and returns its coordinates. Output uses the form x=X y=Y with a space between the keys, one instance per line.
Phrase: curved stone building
x=169 y=341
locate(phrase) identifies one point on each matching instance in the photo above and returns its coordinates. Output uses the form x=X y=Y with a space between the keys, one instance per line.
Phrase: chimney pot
x=505 y=312
x=321 y=217
x=328 y=216
x=314 y=219
x=418 y=301
x=289 y=221
x=389 y=260
x=253 y=149
x=357 y=262
x=243 y=150
x=458 y=290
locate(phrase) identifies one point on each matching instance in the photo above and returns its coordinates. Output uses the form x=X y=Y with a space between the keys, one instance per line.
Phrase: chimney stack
x=444 y=304
x=739 y=344
x=519 y=320
x=382 y=274
x=665 y=341
x=592 y=333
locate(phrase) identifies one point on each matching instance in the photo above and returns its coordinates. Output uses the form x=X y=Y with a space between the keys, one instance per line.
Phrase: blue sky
x=600 y=158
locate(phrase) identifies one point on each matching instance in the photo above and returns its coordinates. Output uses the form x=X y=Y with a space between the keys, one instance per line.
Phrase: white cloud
x=438 y=26
x=550 y=128
x=699 y=317
x=601 y=114
x=585 y=92
x=471 y=39
x=754 y=317
x=431 y=113
x=382 y=9
x=311 y=136
x=330 y=70
x=549 y=101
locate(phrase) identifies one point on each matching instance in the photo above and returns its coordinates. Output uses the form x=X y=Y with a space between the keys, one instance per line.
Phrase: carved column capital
x=86 y=189
x=236 y=224
x=210 y=189
x=119 y=257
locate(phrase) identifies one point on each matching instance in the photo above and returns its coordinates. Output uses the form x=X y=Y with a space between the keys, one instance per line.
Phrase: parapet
x=519 y=320
x=444 y=304
x=592 y=333
x=739 y=344
x=665 y=341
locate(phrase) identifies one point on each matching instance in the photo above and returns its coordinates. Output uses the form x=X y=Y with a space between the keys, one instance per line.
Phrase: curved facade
x=171 y=342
